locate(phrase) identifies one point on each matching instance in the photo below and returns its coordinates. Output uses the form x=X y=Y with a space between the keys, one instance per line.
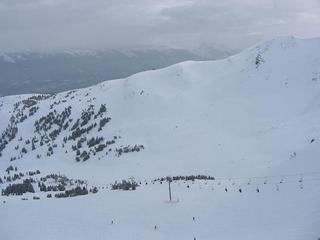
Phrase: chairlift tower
x=169 y=179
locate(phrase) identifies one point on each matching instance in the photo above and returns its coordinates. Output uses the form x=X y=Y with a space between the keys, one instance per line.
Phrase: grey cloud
x=59 y=24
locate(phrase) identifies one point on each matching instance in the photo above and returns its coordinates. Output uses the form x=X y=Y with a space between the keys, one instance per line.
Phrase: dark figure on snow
x=226 y=189
x=193 y=218
x=155 y=227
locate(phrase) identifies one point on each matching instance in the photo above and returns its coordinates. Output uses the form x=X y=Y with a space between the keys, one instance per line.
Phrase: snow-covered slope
x=253 y=116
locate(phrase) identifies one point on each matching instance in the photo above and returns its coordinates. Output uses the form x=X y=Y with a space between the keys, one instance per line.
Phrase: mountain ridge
x=189 y=85
x=53 y=72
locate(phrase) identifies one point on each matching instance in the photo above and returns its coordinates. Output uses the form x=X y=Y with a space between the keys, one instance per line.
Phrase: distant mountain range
x=51 y=72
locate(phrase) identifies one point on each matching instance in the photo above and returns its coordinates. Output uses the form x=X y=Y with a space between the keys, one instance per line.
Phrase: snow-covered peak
x=266 y=86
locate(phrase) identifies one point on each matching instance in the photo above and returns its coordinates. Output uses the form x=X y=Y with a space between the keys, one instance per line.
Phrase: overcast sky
x=95 y=24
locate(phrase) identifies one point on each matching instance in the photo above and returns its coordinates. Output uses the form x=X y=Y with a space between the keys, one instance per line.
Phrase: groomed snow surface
x=290 y=213
x=255 y=116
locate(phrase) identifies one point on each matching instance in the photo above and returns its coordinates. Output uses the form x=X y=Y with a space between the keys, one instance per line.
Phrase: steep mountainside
x=254 y=109
x=253 y=116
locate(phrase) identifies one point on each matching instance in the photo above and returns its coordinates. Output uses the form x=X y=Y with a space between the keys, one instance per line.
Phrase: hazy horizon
x=53 y=25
